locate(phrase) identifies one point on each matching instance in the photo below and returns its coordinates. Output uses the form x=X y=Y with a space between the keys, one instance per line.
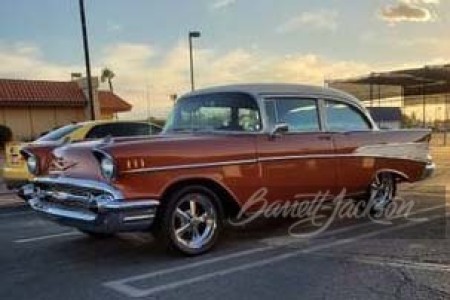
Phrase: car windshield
x=59 y=133
x=215 y=112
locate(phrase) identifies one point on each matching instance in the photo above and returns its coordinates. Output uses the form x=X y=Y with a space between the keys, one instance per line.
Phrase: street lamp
x=192 y=35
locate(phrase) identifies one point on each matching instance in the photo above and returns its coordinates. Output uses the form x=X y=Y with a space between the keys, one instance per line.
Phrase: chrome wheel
x=382 y=192
x=194 y=221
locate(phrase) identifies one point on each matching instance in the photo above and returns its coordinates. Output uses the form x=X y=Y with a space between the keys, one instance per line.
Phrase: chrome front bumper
x=88 y=205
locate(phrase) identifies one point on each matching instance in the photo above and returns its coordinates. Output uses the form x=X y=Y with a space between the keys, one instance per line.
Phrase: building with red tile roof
x=30 y=107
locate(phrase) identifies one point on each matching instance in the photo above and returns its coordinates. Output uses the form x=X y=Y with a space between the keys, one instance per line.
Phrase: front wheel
x=381 y=193
x=190 y=221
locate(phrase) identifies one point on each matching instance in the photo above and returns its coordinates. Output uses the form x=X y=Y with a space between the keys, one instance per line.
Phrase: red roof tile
x=14 y=92
x=39 y=92
x=112 y=102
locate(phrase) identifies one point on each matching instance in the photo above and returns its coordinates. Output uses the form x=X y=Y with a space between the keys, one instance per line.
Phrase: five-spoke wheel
x=191 y=220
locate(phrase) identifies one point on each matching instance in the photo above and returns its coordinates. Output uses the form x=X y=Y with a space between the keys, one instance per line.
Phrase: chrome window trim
x=320 y=97
x=360 y=109
x=274 y=99
x=255 y=99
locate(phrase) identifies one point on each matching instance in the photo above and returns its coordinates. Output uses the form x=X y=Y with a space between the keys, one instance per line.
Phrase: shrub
x=5 y=135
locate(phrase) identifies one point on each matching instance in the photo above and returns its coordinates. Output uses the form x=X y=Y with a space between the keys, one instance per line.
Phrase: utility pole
x=192 y=35
x=87 y=59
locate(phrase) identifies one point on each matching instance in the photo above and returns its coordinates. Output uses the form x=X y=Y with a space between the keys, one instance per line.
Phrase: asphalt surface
x=353 y=259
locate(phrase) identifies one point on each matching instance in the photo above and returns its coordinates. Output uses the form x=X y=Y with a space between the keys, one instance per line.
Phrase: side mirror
x=279 y=128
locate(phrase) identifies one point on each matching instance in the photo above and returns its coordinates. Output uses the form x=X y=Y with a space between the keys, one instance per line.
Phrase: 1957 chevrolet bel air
x=219 y=146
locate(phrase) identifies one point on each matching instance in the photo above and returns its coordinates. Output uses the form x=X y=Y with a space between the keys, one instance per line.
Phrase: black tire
x=173 y=218
x=381 y=193
x=96 y=235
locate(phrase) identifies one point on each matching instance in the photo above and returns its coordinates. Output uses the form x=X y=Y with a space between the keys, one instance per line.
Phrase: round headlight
x=32 y=164
x=107 y=167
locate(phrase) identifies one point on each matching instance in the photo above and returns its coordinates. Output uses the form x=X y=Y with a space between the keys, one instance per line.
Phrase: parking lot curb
x=13 y=207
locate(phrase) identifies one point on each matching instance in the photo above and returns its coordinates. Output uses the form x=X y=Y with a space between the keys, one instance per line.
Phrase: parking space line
x=47 y=237
x=124 y=287
x=122 y=282
x=391 y=262
x=424 y=266
x=286 y=240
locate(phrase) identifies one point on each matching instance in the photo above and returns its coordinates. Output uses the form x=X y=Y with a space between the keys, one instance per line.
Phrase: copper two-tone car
x=219 y=147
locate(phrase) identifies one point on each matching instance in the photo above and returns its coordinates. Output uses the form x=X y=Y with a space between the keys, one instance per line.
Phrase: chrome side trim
x=268 y=159
x=316 y=156
x=194 y=166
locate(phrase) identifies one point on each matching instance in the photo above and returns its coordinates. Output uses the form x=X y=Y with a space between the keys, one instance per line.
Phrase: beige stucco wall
x=27 y=123
x=434 y=108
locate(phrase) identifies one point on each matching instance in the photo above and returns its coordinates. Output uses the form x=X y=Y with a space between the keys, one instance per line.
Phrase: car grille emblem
x=61 y=165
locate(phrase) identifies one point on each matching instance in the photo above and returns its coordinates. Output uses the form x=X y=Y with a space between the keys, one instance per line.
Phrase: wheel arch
x=399 y=175
x=227 y=198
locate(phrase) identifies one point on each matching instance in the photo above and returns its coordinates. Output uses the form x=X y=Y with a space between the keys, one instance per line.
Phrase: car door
x=351 y=130
x=299 y=163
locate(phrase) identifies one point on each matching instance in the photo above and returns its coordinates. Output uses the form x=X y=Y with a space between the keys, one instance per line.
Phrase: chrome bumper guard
x=429 y=170
x=88 y=205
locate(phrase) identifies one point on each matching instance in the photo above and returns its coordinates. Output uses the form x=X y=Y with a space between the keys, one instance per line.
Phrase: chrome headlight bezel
x=32 y=164
x=107 y=165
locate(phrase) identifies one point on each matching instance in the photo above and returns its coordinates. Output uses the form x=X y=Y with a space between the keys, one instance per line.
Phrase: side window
x=302 y=115
x=343 y=117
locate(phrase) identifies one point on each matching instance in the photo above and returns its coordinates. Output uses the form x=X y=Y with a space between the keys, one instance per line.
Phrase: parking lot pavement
x=408 y=259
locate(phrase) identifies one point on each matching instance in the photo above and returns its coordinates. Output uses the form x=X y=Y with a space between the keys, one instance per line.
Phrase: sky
x=145 y=42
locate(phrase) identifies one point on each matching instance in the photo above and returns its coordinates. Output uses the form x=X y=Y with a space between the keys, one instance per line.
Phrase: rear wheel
x=190 y=221
x=381 y=193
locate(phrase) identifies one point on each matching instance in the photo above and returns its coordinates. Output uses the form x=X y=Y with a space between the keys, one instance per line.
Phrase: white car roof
x=277 y=89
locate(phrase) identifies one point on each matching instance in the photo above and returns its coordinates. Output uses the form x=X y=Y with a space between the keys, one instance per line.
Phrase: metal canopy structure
x=427 y=80
x=405 y=88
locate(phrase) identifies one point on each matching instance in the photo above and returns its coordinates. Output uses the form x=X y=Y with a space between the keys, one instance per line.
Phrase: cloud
x=146 y=75
x=25 y=61
x=221 y=4
x=152 y=78
x=409 y=11
x=322 y=19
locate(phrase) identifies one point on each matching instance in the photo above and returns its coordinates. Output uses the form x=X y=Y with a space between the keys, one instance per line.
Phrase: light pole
x=192 y=35
x=86 y=58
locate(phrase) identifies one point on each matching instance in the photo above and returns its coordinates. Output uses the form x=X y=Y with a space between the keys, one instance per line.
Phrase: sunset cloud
x=146 y=76
x=409 y=11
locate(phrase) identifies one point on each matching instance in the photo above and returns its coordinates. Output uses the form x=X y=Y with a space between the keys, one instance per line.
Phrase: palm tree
x=107 y=75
